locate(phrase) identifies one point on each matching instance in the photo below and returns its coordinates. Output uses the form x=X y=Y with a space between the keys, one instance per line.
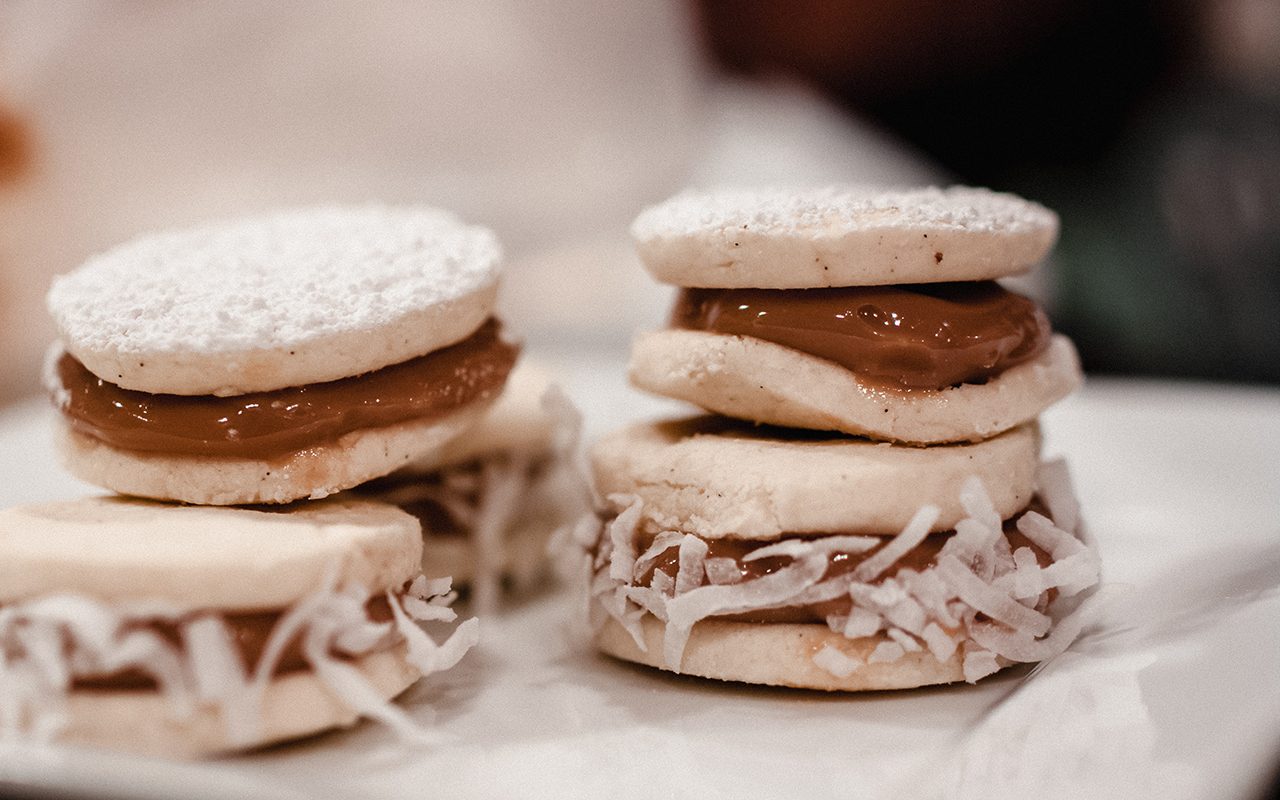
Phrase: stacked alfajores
x=870 y=512
x=233 y=375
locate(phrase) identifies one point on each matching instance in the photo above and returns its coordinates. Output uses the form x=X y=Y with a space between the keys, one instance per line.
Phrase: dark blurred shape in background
x=1152 y=127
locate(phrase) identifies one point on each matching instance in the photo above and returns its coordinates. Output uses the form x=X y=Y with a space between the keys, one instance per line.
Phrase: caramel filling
x=249 y=635
x=909 y=337
x=918 y=558
x=268 y=425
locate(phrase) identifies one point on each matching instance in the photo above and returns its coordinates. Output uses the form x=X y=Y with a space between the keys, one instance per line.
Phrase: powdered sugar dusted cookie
x=719 y=478
x=265 y=303
x=839 y=611
x=841 y=236
x=278 y=358
x=186 y=631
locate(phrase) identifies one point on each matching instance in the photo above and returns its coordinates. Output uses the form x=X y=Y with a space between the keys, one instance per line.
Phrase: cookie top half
x=841 y=236
x=265 y=303
x=122 y=550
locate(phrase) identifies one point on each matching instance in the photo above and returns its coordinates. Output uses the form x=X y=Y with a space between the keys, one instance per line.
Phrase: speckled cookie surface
x=841 y=236
x=263 y=303
x=760 y=381
x=779 y=655
x=719 y=478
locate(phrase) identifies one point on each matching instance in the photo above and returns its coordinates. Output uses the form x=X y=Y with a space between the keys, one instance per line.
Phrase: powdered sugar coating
x=841 y=236
x=347 y=290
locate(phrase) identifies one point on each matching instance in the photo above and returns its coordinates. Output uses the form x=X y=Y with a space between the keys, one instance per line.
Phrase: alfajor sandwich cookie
x=797 y=558
x=868 y=311
x=190 y=631
x=490 y=500
x=276 y=358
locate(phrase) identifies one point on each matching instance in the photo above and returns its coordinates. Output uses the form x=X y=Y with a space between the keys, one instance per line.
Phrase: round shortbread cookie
x=760 y=381
x=260 y=304
x=313 y=473
x=720 y=478
x=294 y=705
x=779 y=654
x=122 y=550
x=516 y=423
x=841 y=236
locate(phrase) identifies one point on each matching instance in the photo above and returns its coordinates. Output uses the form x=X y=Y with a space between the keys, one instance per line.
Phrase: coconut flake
x=988 y=600
x=504 y=482
x=1049 y=537
x=621 y=532
x=978 y=664
x=705 y=601
x=835 y=662
x=940 y=644
x=907 y=540
x=886 y=652
x=906 y=640
x=661 y=543
x=862 y=622
x=802 y=548
x=722 y=571
x=693 y=554
x=46 y=643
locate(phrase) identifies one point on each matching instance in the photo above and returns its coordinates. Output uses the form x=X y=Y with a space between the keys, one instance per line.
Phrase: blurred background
x=1152 y=127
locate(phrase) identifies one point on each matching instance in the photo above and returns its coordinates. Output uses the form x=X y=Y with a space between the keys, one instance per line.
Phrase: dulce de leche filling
x=839 y=564
x=249 y=634
x=908 y=337
x=266 y=425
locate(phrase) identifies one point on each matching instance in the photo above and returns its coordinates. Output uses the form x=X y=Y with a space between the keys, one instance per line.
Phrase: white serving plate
x=1174 y=693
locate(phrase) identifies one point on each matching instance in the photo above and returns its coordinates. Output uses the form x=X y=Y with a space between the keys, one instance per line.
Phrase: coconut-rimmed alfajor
x=189 y=631
x=489 y=501
x=276 y=358
x=780 y=557
x=869 y=312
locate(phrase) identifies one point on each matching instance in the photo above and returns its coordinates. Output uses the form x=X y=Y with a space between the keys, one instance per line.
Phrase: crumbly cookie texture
x=313 y=473
x=760 y=381
x=267 y=302
x=841 y=236
x=124 y=549
x=718 y=478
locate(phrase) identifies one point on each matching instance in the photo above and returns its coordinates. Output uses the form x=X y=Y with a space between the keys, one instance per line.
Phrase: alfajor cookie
x=799 y=559
x=190 y=631
x=489 y=501
x=276 y=358
x=866 y=311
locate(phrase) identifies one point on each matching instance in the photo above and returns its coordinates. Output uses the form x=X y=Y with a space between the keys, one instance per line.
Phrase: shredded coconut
x=49 y=642
x=996 y=602
x=835 y=662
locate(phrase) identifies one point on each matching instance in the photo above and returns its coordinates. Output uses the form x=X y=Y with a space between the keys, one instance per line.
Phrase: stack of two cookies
x=236 y=375
x=870 y=512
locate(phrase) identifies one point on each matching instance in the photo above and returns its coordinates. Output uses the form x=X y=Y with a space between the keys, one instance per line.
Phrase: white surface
x=1174 y=693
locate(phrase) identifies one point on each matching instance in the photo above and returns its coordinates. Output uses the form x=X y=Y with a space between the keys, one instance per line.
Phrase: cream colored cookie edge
x=317 y=472
x=760 y=381
x=293 y=706
x=779 y=654
x=124 y=550
x=223 y=373
x=737 y=259
x=747 y=485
